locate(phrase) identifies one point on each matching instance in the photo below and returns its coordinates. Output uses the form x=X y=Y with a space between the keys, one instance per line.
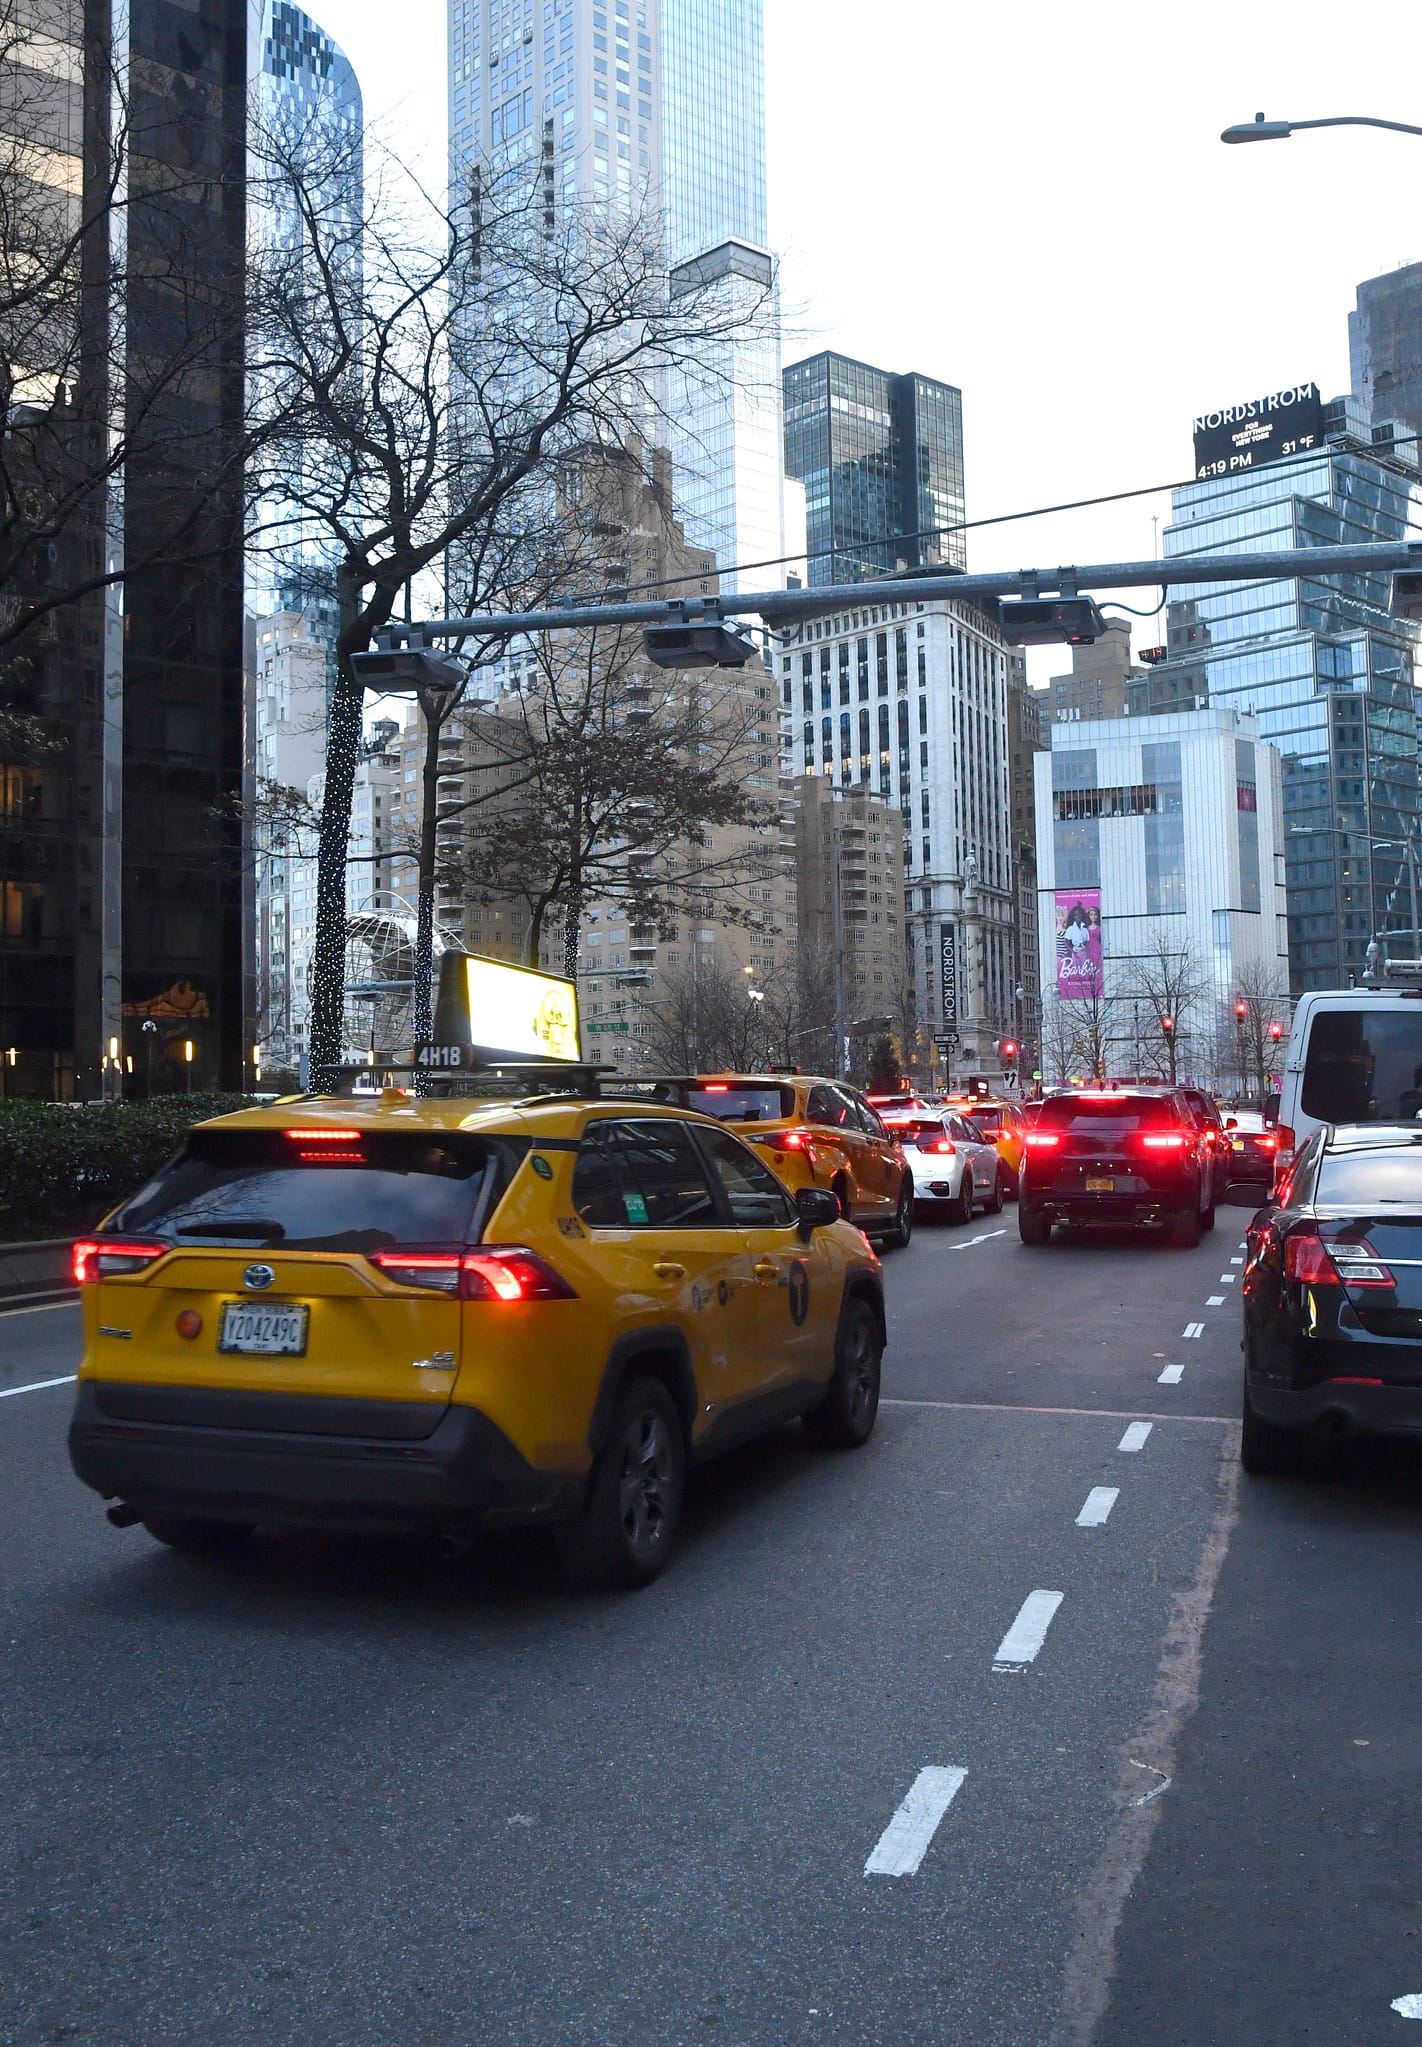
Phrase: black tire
x=195 y=1537
x=995 y=1200
x=624 y=1532
x=902 y=1227
x=1184 y=1229
x=844 y=1419
x=1207 y=1220
x=960 y=1209
x=1032 y=1227
x=1265 y=1450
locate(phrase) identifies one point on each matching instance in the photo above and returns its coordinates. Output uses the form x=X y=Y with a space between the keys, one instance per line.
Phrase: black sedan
x=1333 y=1297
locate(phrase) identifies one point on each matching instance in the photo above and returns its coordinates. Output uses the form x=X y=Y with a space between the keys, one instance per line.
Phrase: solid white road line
x=1099 y=1502
x=1196 y=1329
x=1025 y=1637
x=40 y=1307
x=1110 y=1414
x=1215 y=1301
x=1134 y=1438
x=37 y=1386
x=1171 y=1376
x=904 y=1841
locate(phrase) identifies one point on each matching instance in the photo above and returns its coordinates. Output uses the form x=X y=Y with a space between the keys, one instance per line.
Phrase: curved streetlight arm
x=1260 y=130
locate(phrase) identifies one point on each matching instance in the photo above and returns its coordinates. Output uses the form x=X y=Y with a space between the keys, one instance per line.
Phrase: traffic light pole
x=784 y=607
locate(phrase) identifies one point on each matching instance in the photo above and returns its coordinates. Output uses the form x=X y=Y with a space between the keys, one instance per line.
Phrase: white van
x=1355 y=1056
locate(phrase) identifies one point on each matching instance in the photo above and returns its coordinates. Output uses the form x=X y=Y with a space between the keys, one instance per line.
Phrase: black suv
x=1117 y=1157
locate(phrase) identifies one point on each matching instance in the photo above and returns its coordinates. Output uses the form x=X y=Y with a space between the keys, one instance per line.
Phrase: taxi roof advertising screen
x=1246 y=436
x=506 y=1012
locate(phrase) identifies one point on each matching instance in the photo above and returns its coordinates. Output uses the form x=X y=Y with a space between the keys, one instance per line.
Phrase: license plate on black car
x=276 y=1329
x=1100 y=1186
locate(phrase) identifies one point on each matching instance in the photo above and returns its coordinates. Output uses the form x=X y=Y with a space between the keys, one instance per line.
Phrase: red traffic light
x=1276 y=1030
x=1241 y=1007
x=1167 y=1023
x=1009 y=1048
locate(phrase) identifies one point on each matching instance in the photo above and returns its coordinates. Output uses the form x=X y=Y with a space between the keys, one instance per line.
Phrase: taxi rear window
x=363 y=1192
x=729 y=1103
x=987 y=1122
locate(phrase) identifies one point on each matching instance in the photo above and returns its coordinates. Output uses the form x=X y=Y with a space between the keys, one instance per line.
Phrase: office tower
x=910 y=701
x=125 y=895
x=1321 y=664
x=1097 y=684
x=308 y=101
x=849 y=866
x=1385 y=347
x=881 y=459
x=654 y=104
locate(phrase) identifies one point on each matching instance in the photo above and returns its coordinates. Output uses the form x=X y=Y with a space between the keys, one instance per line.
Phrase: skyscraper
x=656 y=103
x=1385 y=346
x=881 y=459
x=1321 y=663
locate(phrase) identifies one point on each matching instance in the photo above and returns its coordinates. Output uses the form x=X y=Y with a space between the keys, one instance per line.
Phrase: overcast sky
x=1032 y=202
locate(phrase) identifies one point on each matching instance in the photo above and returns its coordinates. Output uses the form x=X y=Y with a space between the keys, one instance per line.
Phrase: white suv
x=954 y=1172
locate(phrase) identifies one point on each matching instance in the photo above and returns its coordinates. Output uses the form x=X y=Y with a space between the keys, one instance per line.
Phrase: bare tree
x=1171 y=989
x=1259 y=1024
x=799 y=1012
x=418 y=405
x=1078 y=1035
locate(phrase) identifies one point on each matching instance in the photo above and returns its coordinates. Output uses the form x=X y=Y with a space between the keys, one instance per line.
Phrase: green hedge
x=62 y=1168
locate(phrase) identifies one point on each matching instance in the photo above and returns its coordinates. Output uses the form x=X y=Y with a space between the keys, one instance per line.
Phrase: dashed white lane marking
x=1236 y=1261
x=904 y=1841
x=1215 y=1301
x=1025 y=1637
x=1409 y=2007
x=1134 y=1438
x=1171 y=1376
x=1099 y=1502
x=1228 y=1278
x=1196 y=1329
x=37 y=1386
x=968 y=1242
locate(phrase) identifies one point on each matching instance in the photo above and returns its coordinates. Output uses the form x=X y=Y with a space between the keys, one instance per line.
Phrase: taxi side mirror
x=818 y=1208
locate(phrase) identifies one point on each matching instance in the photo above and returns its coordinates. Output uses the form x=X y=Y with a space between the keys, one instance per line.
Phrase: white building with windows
x=910 y=700
x=1170 y=829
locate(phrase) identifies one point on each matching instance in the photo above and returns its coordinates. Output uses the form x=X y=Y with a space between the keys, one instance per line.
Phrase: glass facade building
x=881 y=459
x=1324 y=669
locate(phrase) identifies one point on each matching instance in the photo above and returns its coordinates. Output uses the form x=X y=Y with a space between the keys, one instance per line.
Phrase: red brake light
x=941 y=1144
x=323 y=1136
x=112 y=1258
x=1267 y=1140
x=784 y=1140
x=1311 y=1262
x=715 y=1087
x=1165 y=1140
x=1043 y=1140
x=493 y=1272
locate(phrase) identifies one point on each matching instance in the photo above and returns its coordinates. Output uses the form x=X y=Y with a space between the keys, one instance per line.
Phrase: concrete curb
x=38 y=1267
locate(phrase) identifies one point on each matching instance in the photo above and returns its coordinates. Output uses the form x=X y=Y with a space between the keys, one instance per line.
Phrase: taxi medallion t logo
x=258 y=1277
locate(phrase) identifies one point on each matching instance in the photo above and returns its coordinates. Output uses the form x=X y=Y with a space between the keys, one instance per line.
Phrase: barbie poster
x=1078 y=944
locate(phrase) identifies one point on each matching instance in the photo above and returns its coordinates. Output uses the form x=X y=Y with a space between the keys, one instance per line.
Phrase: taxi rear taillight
x=783 y=1140
x=494 y=1272
x=112 y=1258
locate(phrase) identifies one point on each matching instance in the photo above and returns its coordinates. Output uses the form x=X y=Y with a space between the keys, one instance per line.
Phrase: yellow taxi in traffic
x=818 y=1133
x=453 y=1315
x=997 y=1122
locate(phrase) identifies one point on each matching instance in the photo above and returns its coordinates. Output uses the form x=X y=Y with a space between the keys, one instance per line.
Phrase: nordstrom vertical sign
x=948 y=971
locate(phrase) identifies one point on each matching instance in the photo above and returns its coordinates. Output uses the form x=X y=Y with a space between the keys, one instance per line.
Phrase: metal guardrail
x=40 y=1266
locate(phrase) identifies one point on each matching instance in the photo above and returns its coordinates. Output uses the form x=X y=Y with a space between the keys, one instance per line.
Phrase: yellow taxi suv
x=445 y=1316
x=998 y=1123
x=817 y=1133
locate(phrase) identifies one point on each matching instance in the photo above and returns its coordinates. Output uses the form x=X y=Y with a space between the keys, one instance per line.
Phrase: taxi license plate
x=273 y=1330
x=1237 y=1143
x=1100 y=1186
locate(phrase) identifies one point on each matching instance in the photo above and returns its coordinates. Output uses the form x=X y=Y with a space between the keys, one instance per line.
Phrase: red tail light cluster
x=939 y=1144
x=112 y=1258
x=1043 y=1140
x=494 y=1272
x=1165 y=1140
x=785 y=1140
x=1309 y=1261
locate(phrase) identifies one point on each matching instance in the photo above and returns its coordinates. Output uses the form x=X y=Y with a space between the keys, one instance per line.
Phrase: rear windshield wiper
x=236 y=1226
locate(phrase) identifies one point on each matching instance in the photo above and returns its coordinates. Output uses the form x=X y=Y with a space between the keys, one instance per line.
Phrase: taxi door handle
x=667 y=1268
x=766 y=1269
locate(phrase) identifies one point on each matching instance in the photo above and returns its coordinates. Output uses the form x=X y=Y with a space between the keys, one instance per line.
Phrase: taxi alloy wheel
x=844 y=1419
x=624 y=1533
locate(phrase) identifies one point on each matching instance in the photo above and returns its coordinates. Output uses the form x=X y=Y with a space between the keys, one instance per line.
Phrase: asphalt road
x=353 y=1795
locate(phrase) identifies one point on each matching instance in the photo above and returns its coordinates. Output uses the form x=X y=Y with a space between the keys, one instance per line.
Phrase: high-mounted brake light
x=112 y=1258
x=323 y=1136
x=716 y=1087
x=494 y=1272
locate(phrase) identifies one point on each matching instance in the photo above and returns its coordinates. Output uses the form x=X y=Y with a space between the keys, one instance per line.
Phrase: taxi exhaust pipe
x=123 y=1516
